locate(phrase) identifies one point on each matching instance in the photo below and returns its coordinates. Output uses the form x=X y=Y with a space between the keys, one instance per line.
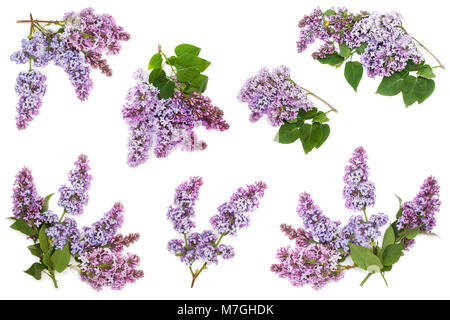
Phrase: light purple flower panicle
x=420 y=212
x=274 y=94
x=359 y=192
x=73 y=198
x=27 y=202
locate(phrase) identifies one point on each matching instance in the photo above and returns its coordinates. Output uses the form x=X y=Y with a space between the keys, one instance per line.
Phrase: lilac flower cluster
x=275 y=94
x=101 y=268
x=322 y=244
x=359 y=192
x=316 y=265
x=206 y=246
x=78 y=44
x=93 y=35
x=362 y=232
x=182 y=210
x=27 y=202
x=99 y=248
x=420 y=212
x=61 y=233
x=104 y=231
x=166 y=123
x=30 y=87
x=73 y=198
x=231 y=215
x=384 y=45
x=389 y=47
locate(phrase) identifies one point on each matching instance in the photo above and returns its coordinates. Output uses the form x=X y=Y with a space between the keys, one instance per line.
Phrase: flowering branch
x=206 y=247
x=325 y=243
x=319 y=98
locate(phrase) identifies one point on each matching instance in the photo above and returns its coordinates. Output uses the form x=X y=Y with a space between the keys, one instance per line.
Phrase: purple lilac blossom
x=316 y=265
x=388 y=47
x=362 y=233
x=231 y=215
x=274 y=94
x=104 y=268
x=359 y=192
x=65 y=232
x=321 y=228
x=94 y=34
x=420 y=212
x=73 y=198
x=30 y=87
x=103 y=232
x=182 y=210
x=164 y=124
x=27 y=202
x=205 y=246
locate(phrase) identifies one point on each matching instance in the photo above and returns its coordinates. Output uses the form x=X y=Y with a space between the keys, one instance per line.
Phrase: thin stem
x=319 y=98
x=426 y=49
x=42 y=21
x=51 y=274
x=197 y=272
x=64 y=213
x=165 y=57
x=384 y=279
x=366 y=278
x=365 y=214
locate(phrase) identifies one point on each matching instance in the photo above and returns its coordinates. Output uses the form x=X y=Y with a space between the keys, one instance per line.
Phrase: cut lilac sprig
x=98 y=250
x=386 y=50
x=163 y=109
x=287 y=106
x=322 y=246
x=75 y=43
x=206 y=247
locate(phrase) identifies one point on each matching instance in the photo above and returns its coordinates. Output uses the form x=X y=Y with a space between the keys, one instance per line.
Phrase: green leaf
x=156 y=74
x=45 y=205
x=187 y=48
x=198 y=84
x=361 y=48
x=43 y=239
x=412 y=233
x=329 y=12
x=344 y=50
x=391 y=86
x=389 y=237
x=35 y=250
x=187 y=74
x=155 y=61
x=320 y=117
x=159 y=79
x=316 y=134
x=392 y=253
x=423 y=89
x=411 y=66
x=353 y=73
x=306 y=115
x=408 y=90
x=288 y=133
x=46 y=259
x=332 y=59
x=190 y=61
x=325 y=134
x=365 y=259
x=35 y=270
x=305 y=137
x=166 y=89
x=426 y=72
x=61 y=258
x=22 y=226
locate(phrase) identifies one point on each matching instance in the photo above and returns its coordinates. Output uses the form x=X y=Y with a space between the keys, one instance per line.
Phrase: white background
x=238 y=37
